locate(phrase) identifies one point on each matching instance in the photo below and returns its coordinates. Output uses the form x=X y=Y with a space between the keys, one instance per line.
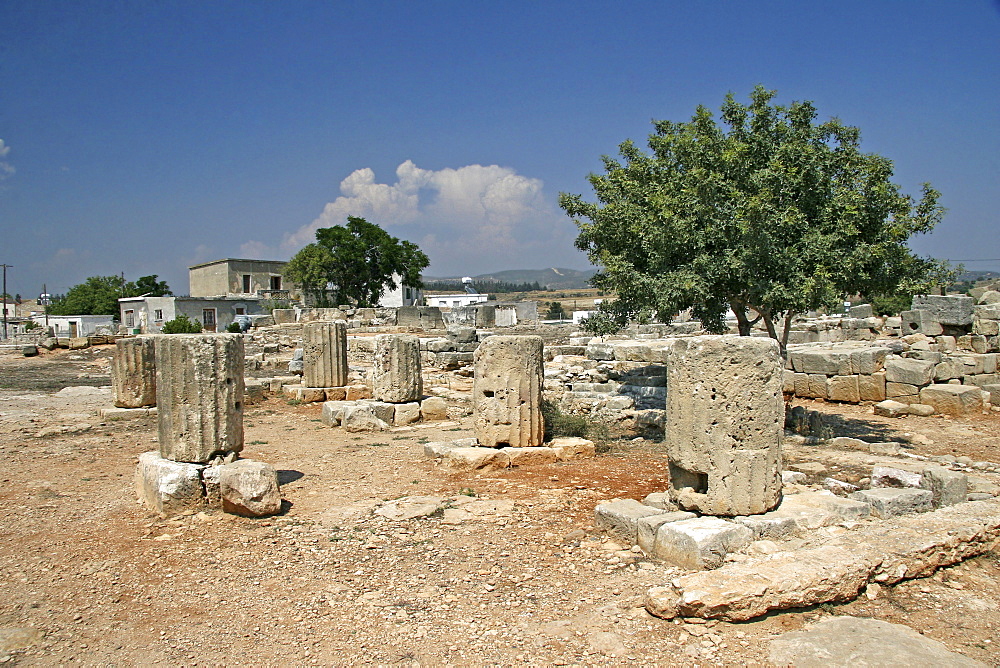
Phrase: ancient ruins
x=766 y=503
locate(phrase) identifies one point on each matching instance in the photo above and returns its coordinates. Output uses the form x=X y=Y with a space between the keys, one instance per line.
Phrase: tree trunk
x=742 y=322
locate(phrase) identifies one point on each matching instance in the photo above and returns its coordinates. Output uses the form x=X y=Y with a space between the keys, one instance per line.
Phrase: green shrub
x=181 y=325
x=559 y=424
x=234 y=328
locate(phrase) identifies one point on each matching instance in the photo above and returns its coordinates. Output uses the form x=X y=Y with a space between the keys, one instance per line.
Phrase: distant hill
x=555 y=278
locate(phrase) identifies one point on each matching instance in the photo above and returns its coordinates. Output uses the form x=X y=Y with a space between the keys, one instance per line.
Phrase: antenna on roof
x=467 y=283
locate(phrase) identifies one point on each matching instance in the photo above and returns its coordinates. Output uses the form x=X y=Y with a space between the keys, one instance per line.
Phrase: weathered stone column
x=396 y=372
x=324 y=354
x=133 y=373
x=199 y=393
x=507 y=391
x=724 y=424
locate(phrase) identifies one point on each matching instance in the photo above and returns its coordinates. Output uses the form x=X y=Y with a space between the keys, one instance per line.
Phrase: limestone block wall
x=898 y=370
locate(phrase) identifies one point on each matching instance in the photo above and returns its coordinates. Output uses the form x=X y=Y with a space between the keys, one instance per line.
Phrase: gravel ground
x=513 y=572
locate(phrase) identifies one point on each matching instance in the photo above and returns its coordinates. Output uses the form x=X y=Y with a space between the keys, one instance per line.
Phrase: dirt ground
x=91 y=576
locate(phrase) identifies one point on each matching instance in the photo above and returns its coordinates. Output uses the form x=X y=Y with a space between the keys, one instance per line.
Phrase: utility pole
x=45 y=298
x=5 y=298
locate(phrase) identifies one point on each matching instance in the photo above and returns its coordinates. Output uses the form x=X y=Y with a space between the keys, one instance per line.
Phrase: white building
x=456 y=300
x=73 y=326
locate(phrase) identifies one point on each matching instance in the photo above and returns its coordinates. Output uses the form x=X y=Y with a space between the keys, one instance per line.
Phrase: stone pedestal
x=199 y=391
x=324 y=354
x=507 y=391
x=724 y=424
x=396 y=371
x=133 y=373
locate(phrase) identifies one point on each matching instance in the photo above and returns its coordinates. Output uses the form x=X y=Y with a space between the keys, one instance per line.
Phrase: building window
x=409 y=293
x=240 y=310
x=208 y=319
x=130 y=318
x=158 y=315
x=276 y=282
x=246 y=283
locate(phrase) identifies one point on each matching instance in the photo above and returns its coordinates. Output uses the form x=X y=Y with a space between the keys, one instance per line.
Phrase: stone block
x=646 y=527
x=946 y=486
x=476 y=458
x=167 y=486
x=868 y=360
x=395 y=372
x=774 y=525
x=902 y=392
x=507 y=391
x=406 y=413
x=78 y=343
x=620 y=517
x=700 y=543
x=382 y=410
x=115 y=414
x=890 y=476
x=324 y=354
x=952 y=310
x=433 y=408
x=823 y=361
x=358 y=392
x=909 y=371
x=360 y=417
x=861 y=311
x=133 y=372
x=872 y=387
x=920 y=322
x=889 y=502
x=725 y=418
x=572 y=447
x=844 y=388
x=249 y=488
x=957 y=400
x=818 y=386
x=333 y=412
x=199 y=395
x=537 y=456
x=994 y=393
x=840 y=641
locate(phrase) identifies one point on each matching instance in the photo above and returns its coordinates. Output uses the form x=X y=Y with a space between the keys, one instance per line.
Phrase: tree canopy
x=770 y=213
x=355 y=264
x=99 y=295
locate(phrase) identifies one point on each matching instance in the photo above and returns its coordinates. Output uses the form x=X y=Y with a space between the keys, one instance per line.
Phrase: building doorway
x=208 y=319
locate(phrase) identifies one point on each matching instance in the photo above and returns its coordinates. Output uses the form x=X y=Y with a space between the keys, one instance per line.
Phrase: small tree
x=355 y=264
x=98 y=295
x=181 y=325
x=770 y=215
x=147 y=286
x=555 y=311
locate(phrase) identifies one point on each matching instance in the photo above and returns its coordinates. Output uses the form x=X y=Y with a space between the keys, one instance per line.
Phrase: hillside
x=556 y=278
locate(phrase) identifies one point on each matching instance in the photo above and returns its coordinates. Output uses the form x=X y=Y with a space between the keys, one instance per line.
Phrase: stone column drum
x=133 y=373
x=396 y=372
x=507 y=391
x=724 y=424
x=324 y=354
x=199 y=392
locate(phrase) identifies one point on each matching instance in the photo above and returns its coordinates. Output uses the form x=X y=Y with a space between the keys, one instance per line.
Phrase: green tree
x=771 y=214
x=181 y=325
x=147 y=286
x=555 y=311
x=355 y=264
x=98 y=295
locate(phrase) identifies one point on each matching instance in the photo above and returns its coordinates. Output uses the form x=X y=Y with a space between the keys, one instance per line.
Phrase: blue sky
x=145 y=137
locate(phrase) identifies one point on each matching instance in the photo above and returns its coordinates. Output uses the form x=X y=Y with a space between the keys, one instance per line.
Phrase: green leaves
x=355 y=264
x=768 y=212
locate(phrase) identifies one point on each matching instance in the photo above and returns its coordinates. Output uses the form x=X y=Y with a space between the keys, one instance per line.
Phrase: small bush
x=234 y=328
x=559 y=424
x=182 y=325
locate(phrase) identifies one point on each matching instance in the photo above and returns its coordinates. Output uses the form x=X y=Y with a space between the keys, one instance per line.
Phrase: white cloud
x=6 y=169
x=461 y=217
x=255 y=250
